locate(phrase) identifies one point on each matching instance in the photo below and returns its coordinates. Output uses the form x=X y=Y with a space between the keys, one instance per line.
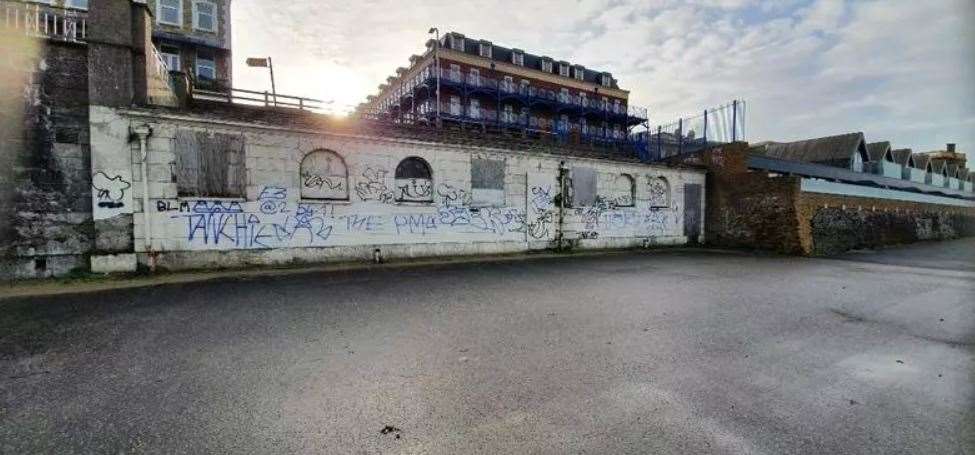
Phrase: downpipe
x=143 y=132
x=563 y=192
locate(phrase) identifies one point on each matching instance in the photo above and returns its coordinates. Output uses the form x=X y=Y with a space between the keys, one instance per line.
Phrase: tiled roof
x=877 y=150
x=833 y=150
x=902 y=156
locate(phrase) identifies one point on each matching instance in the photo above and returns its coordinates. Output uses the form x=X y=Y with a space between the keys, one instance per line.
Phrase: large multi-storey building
x=487 y=84
x=194 y=36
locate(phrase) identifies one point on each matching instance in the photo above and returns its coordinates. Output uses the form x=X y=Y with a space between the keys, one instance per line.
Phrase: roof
x=902 y=156
x=938 y=166
x=921 y=161
x=876 y=151
x=832 y=150
x=503 y=54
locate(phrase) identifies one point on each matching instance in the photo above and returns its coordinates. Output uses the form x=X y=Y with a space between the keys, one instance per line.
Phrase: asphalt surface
x=665 y=352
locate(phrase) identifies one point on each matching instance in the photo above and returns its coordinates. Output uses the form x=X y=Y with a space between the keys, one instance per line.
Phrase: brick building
x=194 y=36
x=486 y=84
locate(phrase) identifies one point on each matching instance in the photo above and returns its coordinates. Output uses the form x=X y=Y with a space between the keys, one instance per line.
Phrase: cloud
x=895 y=69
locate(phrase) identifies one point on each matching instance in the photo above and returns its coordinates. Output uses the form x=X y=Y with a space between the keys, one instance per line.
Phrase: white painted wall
x=273 y=224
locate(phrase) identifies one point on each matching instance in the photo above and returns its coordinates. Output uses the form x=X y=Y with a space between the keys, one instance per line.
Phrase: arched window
x=414 y=180
x=324 y=176
x=624 y=192
x=659 y=192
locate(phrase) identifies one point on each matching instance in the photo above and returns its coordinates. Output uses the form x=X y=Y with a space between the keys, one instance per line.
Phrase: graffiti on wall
x=372 y=186
x=110 y=191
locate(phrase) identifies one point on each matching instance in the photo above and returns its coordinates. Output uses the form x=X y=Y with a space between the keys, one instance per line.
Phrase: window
x=475 y=77
x=508 y=115
x=605 y=103
x=170 y=56
x=564 y=123
x=659 y=192
x=77 y=4
x=617 y=107
x=455 y=105
x=206 y=67
x=457 y=43
x=487 y=182
x=564 y=95
x=583 y=126
x=624 y=191
x=606 y=80
x=583 y=187
x=580 y=73
x=209 y=164
x=455 y=72
x=564 y=70
x=474 y=110
x=582 y=99
x=324 y=176
x=518 y=58
x=170 y=12
x=414 y=181
x=508 y=84
x=547 y=66
x=484 y=50
x=205 y=16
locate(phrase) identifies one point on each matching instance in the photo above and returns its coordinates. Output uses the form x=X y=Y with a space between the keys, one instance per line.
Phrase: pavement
x=659 y=352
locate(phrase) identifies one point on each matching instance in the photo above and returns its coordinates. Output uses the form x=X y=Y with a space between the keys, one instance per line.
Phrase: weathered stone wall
x=756 y=209
x=831 y=224
x=45 y=191
x=274 y=222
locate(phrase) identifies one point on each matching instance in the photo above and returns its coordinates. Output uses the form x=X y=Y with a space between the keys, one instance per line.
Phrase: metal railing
x=721 y=125
x=44 y=21
x=255 y=98
x=473 y=81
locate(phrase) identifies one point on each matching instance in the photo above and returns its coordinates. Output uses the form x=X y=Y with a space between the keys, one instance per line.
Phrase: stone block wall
x=831 y=224
x=278 y=220
x=45 y=191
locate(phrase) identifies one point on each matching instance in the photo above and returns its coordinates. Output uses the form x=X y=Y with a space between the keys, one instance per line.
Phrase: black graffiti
x=110 y=191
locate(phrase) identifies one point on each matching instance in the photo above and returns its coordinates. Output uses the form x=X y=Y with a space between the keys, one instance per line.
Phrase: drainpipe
x=563 y=190
x=143 y=132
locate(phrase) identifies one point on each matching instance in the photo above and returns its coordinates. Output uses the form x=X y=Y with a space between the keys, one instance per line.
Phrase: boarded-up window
x=324 y=176
x=623 y=191
x=487 y=182
x=209 y=164
x=659 y=192
x=414 y=180
x=583 y=187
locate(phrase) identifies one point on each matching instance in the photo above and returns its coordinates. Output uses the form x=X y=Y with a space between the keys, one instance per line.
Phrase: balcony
x=45 y=22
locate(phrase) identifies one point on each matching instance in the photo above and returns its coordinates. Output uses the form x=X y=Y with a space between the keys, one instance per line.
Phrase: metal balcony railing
x=44 y=21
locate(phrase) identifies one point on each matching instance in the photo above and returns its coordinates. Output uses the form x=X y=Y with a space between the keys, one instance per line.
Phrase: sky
x=897 y=70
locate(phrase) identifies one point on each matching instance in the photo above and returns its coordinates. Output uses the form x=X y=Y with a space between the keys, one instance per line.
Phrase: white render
x=274 y=225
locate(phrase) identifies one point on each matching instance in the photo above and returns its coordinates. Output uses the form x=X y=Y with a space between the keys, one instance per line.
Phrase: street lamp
x=436 y=59
x=265 y=63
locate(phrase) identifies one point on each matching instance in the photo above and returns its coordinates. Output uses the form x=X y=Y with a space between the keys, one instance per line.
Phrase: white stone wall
x=273 y=224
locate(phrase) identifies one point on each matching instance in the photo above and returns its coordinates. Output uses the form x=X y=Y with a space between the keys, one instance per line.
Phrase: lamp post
x=436 y=59
x=265 y=63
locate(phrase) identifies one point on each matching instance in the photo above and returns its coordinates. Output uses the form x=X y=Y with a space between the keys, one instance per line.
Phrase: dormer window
x=518 y=58
x=484 y=50
x=580 y=73
x=547 y=66
x=563 y=70
x=606 y=80
x=457 y=43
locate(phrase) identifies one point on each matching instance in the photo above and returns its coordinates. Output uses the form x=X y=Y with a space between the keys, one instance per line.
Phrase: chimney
x=951 y=148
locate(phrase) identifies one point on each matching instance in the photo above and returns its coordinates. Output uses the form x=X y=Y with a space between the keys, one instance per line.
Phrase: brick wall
x=753 y=209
